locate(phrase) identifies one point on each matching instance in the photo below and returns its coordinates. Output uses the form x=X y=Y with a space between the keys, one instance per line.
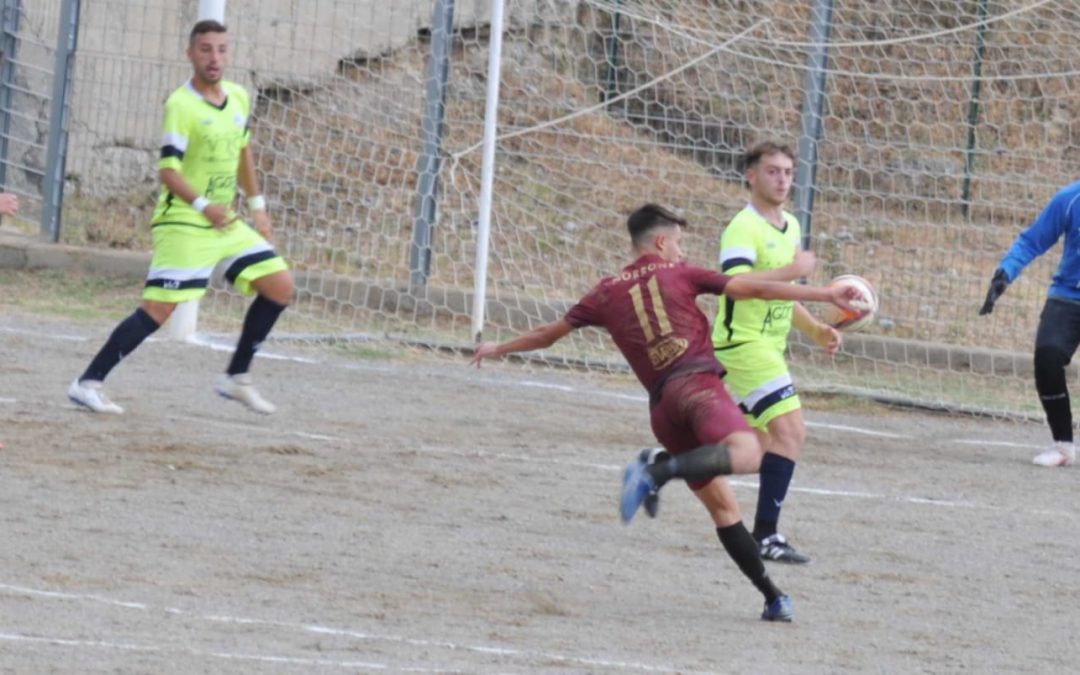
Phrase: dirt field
x=404 y=513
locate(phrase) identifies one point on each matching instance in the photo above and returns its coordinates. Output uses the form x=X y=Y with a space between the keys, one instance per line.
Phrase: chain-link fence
x=945 y=126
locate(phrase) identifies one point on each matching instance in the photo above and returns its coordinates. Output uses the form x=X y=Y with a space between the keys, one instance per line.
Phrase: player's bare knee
x=719 y=500
x=745 y=452
x=278 y=287
x=159 y=311
x=726 y=517
x=787 y=439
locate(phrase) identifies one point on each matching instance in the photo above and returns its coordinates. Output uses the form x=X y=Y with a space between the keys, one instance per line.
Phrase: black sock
x=774 y=479
x=700 y=464
x=124 y=339
x=1051 y=382
x=744 y=551
x=1058 y=416
x=260 y=318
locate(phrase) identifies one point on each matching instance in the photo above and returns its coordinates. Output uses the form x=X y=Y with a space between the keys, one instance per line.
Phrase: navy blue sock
x=260 y=318
x=775 y=476
x=124 y=339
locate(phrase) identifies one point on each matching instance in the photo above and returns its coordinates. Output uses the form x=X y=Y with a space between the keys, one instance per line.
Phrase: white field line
x=612 y=468
x=231 y=656
x=855 y=430
x=51 y=336
x=1005 y=444
x=317 y=629
x=221 y=346
x=640 y=398
x=750 y=484
x=644 y=399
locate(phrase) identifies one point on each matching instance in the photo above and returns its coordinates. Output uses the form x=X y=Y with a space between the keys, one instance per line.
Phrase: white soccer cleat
x=239 y=388
x=1058 y=454
x=89 y=394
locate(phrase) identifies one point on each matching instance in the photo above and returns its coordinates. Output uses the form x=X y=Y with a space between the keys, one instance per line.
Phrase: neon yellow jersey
x=203 y=142
x=750 y=242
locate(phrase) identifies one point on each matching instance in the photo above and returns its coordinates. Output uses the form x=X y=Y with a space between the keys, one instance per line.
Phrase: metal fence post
x=814 y=85
x=12 y=10
x=60 y=106
x=973 y=108
x=430 y=160
x=611 y=81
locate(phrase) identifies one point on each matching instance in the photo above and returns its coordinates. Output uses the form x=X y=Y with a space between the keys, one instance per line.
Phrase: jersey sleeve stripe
x=178 y=141
x=748 y=252
x=171 y=152
x=736 y=262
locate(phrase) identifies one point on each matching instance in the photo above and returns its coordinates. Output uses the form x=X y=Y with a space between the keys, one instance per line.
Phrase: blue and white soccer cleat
x=652 y=500
x=637 y=484
x=780 y=609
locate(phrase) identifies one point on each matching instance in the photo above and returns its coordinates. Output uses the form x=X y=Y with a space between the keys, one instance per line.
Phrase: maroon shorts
x=695 y=410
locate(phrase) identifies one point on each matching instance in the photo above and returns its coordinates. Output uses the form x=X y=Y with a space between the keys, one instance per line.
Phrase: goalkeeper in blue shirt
x=1059 y=325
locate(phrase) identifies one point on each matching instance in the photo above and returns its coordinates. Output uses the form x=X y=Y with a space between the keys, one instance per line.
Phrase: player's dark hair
x=648 y=218
x=763 y=149
x=206 y=26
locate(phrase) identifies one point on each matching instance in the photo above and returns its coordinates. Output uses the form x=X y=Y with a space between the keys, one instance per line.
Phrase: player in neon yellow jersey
x=750 y=337
x=204 y=154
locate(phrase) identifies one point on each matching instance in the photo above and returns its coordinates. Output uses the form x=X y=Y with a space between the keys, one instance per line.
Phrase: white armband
x=257 y=203
x=200 y=203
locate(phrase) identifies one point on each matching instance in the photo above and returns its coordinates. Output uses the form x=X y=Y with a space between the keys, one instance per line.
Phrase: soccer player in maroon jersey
x=650 y=310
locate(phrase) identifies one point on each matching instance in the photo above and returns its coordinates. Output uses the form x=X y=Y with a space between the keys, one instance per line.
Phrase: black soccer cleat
x=777 y=549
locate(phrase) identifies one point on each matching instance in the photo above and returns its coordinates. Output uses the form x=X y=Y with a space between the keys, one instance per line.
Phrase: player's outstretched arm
x=537 y=338
x=741 y=287
x=800 y=267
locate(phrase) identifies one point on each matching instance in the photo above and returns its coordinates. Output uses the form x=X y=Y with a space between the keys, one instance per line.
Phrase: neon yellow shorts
x=759 y=381
x=185 y=257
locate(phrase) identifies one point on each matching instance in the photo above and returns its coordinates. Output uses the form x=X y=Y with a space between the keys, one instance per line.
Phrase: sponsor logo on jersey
x=663 y=353
x=777 y=313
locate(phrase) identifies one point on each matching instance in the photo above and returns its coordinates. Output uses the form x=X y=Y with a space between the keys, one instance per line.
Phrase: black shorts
x=1059 y=325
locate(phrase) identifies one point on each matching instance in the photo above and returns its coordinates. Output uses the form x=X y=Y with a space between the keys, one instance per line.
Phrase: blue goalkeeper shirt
x=1061 y=216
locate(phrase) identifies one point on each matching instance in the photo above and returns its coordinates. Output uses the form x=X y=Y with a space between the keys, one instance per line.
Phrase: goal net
x=946 y=125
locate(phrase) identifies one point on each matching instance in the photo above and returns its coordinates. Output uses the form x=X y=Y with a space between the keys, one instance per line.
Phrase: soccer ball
x=844 y=320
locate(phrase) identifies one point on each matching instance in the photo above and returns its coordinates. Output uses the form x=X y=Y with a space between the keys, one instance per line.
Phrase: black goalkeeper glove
x=998 y=284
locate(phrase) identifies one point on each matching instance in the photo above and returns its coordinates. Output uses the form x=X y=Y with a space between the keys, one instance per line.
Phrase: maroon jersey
x=651 y=313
